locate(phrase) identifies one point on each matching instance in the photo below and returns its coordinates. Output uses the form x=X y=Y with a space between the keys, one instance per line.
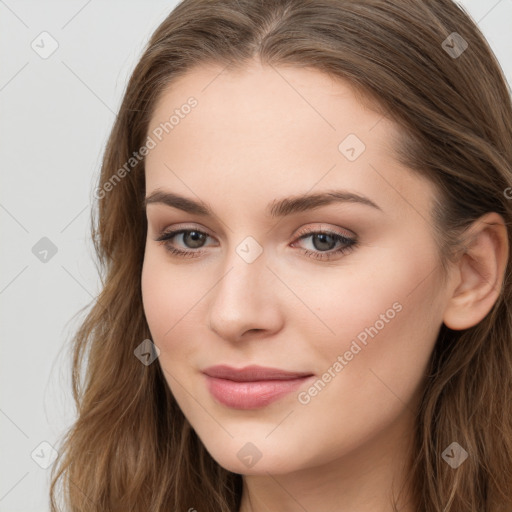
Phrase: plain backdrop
x=57 y=108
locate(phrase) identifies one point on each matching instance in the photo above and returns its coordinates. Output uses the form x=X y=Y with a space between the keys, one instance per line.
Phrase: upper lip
x=252 y=373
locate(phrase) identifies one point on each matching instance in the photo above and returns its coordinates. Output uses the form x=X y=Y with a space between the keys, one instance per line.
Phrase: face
x=343 y=291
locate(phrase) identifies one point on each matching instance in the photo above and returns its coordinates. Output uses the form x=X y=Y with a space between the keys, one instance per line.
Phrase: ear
x=479 y=273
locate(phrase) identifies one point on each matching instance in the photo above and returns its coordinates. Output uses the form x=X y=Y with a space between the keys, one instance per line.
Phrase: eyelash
x=350 y=244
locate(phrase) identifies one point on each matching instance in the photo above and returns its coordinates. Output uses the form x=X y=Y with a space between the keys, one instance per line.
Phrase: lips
x=252 y=373
x=253 y=386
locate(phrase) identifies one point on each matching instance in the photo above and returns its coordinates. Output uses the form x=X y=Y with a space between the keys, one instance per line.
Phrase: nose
x=245 y=300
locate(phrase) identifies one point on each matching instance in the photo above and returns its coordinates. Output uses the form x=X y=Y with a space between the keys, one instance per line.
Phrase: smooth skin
x=257 y=135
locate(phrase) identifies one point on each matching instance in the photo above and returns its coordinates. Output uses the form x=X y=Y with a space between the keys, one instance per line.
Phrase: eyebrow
x=276 y=208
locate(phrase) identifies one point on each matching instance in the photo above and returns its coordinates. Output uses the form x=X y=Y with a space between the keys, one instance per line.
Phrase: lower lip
x=251 y=395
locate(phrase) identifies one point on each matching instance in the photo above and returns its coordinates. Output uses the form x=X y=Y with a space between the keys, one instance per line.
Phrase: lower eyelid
x=166 y=237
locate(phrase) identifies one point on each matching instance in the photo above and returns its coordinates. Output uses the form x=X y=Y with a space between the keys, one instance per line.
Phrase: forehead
x=271 y=131
x=268 y=101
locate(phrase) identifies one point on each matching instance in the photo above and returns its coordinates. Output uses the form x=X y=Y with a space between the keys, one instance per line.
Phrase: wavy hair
x=130 y=447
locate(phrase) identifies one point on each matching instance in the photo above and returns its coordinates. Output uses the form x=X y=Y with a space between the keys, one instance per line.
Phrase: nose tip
x=244 y=303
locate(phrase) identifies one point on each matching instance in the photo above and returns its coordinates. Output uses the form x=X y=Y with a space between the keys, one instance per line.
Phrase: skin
x=260 y=134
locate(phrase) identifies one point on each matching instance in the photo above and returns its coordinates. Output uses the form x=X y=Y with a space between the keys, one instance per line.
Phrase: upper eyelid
x=322 y=227
x=300 y=235
x=346 y=233
x=178 y=229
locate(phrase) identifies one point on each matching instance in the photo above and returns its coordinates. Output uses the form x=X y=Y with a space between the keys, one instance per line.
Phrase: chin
x=254 y=458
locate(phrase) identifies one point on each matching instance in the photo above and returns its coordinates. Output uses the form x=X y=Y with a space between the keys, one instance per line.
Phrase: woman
x=304 y=222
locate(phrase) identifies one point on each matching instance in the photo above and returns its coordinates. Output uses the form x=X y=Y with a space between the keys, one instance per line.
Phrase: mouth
x=252 y=387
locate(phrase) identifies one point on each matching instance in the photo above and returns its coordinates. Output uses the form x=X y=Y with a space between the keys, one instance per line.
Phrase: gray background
x=56 y=113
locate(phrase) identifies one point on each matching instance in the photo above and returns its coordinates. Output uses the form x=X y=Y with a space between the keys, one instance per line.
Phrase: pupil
x=324 y=241
x=196 y=238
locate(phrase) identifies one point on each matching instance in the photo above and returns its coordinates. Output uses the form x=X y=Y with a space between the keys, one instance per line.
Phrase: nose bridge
x=242 y=299
x=244 y=278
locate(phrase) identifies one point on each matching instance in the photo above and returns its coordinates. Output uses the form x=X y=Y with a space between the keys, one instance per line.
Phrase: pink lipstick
x=251 y=387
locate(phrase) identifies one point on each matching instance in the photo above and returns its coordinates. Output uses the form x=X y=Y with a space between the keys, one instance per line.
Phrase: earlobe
x=480 y=272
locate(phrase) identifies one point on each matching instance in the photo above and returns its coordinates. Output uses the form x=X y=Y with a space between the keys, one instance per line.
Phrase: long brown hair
x=131 y=448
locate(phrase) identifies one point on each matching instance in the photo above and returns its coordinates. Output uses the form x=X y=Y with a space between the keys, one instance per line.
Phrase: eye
x=193 y=238
x=323 y=242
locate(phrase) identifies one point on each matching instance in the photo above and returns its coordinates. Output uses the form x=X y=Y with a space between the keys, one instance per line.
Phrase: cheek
x=167 y=300
x=384 y=312
x=384 y=324
x=372 y=369
x=368 y=290
x=167 y=297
